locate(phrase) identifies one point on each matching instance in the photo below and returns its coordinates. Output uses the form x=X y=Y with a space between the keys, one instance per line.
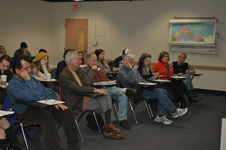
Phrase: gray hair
x=89 y=55
x=70 y=55
x=183 y=54
x=126 y=58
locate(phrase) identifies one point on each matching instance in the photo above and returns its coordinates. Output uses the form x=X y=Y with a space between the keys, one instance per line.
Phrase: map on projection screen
x=197 y=32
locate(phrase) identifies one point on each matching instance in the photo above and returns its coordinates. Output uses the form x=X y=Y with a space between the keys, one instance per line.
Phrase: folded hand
x=63 y=107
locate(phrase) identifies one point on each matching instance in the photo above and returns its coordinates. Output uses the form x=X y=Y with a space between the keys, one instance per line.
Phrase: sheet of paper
x=105 y=83
x=146 y=83
x=4 y=113
x=39 y=79
x=159 y=80
x=178 y=77
x=50 y=102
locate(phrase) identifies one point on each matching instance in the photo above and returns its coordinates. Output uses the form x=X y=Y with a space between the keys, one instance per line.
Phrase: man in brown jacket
x=72 y=79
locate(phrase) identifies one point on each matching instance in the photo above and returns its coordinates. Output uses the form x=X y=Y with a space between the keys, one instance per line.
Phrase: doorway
x=76 y=34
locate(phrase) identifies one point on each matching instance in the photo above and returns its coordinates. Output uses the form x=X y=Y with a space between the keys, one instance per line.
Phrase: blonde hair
x=37 y=66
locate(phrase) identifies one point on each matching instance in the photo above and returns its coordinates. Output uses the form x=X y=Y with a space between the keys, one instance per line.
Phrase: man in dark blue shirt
x=24 y=87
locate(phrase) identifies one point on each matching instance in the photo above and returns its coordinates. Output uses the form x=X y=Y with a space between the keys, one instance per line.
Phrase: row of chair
x=22 y=123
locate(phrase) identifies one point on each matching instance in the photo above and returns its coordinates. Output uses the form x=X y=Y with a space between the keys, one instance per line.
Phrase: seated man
x=24 y=87
x=181 y=68
x=23 y=50
x=72 y=79
x=129 y=76
x=118 y=62
x=95 y=74
x=62 y=64
x=5 y=61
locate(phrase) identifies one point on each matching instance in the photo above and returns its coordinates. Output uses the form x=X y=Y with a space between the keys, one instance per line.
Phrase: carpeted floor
x=199 y=129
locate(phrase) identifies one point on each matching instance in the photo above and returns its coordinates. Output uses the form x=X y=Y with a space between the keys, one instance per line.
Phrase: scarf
x=167 y=68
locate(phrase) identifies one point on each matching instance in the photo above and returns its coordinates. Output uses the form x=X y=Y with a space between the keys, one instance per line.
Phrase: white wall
x=25 y=21
x=140 y=26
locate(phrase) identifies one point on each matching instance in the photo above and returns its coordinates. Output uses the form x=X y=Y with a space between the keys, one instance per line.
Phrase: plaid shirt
x=100 y=76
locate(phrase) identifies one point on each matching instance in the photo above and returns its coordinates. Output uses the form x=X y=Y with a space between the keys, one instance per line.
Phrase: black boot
x=12 y=139
x=3 y=144
x=195 y=94
x=191 y=98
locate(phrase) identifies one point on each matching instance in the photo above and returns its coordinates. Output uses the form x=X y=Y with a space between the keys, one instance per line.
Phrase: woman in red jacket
x=177 y=87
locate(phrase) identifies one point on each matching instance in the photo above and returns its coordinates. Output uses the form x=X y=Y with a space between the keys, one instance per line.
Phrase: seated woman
x=40 y=66
x=7 y=135
x=145 y=70
x=80 y=53
x=101 y=62
x=177 y=87
x=144 y=67
x=2 y=51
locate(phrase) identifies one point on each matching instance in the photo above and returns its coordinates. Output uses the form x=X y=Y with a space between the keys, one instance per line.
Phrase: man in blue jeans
x=25 y=87
x=129 y=76
x=95 y=74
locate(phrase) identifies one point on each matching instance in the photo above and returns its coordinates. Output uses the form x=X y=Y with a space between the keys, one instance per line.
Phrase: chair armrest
x=33 y=104
x=93 y=95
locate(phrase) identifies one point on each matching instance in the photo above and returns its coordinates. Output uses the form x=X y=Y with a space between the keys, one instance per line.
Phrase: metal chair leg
x=80 y=134
x=22 y=130
x=80 y=117
x=150 y=110
x=96 y=121
x=131 y=107
x=115 y=109
x=145 y=103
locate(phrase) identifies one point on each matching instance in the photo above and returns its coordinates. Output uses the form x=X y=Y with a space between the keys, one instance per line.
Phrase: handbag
x=91 y=122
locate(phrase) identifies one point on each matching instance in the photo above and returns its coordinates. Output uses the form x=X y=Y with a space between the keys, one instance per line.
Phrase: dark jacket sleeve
x=60 y=66
x=89 y=75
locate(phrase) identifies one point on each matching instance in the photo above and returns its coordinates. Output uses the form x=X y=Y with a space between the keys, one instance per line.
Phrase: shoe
x=199 y=97
x=18 y=147
x=111 y=127
x=179 y=112
x=162 y=119
x=124 y=124
x=191 y=98
x=195 y=94
x=131 y=92
x=113 y=135
x=78 y=148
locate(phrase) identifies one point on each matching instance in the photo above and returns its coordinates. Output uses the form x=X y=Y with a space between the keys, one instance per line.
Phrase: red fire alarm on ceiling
x=75 y=6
